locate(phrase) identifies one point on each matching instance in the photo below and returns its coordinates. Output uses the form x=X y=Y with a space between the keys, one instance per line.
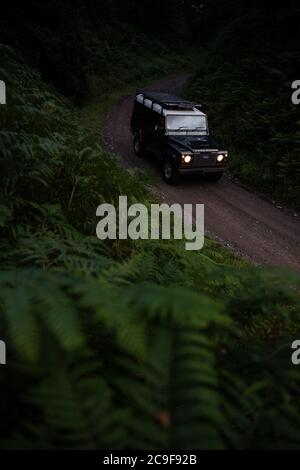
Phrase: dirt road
x=248 y=224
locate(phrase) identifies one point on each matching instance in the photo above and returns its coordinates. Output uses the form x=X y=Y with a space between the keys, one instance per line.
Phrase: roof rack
x=170 y=102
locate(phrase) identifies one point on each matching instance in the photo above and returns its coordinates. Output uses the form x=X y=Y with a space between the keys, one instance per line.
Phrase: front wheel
x=138 y=146
x=214 y=177
x=170 y=172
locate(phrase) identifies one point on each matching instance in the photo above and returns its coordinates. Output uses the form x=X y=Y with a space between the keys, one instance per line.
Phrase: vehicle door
x=147 y=128
x=159 y=139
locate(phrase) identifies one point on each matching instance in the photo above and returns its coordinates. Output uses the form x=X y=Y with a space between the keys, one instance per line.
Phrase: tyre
x=138 y=146
x=214 y=177
x=170 y=172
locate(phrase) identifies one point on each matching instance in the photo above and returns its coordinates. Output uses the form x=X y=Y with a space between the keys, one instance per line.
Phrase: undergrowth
x=244 y=84
x=125 y=345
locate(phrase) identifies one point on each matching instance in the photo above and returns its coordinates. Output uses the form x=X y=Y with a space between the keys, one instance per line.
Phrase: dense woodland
x=141 y=344
x=246 y=55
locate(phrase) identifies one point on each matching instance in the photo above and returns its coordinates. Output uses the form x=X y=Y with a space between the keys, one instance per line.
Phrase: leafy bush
x=116 y=359
x=244 y=83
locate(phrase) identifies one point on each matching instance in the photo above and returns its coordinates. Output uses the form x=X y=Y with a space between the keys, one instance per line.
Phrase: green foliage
x=97 y=45
x=48 y=162
x=244 y=83
x=125 y=345
x=112 y=361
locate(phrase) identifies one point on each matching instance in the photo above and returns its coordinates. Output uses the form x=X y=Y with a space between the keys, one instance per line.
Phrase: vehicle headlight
x=186 y=158
x=220 y=158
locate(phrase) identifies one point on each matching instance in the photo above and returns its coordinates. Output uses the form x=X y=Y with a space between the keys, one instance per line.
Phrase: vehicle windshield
x=186 y=123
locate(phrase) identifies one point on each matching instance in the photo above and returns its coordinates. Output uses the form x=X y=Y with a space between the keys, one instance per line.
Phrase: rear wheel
x=214 y=177
x=170 y=172
x=138 y=146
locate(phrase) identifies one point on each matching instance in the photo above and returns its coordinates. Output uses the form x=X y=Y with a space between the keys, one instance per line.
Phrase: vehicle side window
x=160 y=124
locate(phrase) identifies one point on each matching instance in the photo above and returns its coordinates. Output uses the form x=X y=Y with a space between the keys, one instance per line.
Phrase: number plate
x=204 y=159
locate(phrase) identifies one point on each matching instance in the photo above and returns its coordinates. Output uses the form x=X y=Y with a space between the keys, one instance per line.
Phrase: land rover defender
x=176 y=131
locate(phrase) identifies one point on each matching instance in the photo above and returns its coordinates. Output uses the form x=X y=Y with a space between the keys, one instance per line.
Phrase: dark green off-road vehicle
x=176 y=131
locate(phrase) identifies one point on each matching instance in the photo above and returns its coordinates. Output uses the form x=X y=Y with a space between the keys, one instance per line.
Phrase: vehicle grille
x=204 y=160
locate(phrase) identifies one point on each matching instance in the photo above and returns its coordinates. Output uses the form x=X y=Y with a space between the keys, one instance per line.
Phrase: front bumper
x=200 y=171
